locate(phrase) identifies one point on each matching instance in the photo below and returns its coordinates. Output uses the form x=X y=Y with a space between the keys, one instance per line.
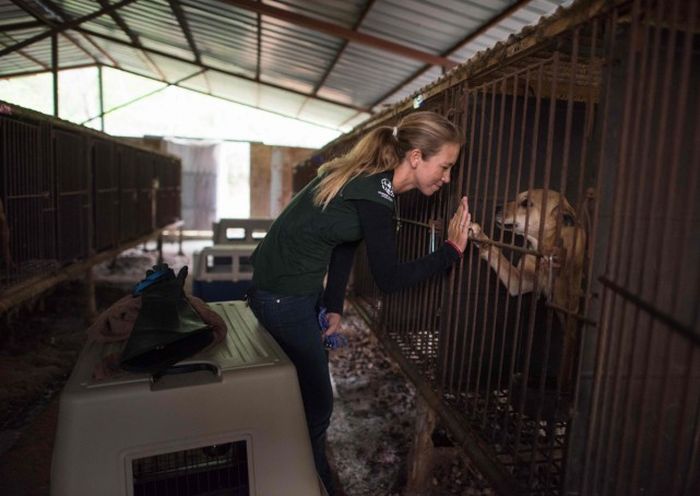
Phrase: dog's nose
x=499 y=210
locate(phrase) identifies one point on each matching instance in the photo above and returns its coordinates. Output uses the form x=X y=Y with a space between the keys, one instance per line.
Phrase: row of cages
x=67 y=194
x=580 y=376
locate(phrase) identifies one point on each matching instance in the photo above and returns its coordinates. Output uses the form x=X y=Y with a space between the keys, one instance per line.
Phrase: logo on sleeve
x=388 y=190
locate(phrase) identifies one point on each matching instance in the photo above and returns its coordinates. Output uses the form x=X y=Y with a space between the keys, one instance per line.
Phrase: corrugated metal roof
x=329 y=62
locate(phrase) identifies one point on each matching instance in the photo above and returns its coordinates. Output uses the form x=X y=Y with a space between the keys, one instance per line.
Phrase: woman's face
x=432 y=173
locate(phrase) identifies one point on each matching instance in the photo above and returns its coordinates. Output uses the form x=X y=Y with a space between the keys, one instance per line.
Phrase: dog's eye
x=525 y=203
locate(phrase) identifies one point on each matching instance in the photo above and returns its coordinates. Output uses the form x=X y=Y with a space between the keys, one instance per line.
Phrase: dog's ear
x=568 y=216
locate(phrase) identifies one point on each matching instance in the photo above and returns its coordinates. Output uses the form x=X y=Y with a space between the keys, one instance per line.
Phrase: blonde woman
x=351 y=199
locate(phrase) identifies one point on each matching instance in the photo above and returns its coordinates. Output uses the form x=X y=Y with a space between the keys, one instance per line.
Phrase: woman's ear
x=414 y=157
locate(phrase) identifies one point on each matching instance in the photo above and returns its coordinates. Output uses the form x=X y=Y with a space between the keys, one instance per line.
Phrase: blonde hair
x=383 y=149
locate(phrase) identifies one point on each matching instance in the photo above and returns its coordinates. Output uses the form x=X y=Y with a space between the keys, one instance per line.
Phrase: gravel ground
x=370 y=434
x=374 y=414
x=373 y=424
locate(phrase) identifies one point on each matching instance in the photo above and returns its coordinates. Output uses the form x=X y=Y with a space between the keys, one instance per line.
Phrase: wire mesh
x=205 y=471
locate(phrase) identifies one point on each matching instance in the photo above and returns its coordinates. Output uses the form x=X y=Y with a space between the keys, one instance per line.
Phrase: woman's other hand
x=333 y=323
x=458 y=229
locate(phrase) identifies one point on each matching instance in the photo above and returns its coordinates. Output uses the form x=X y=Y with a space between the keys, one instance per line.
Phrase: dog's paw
x=474 y=230
x=476 y=233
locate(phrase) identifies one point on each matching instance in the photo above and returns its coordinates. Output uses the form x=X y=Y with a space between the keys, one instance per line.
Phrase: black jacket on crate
x=167 y=328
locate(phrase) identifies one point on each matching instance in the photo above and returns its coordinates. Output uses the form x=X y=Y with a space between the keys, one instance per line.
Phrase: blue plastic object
x=323 y=319
x=333 y=341
x=151 y=278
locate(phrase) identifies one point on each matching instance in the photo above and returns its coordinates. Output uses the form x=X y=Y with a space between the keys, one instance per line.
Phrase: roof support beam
x=258 y=61
x=341 y=32
x=338 y=54
x=185 y=27
x=29 y=57
x=101 y=89
x=226 y=99
x=54 y=71
x=215 y=69
x=57 y=11
x=65 y=26
x=179 y=13
x=482 y=29
x=133 y=37
x=122 y=25
x=139 y=98
x=104 y=52
x=6 y=28
x=43 y=71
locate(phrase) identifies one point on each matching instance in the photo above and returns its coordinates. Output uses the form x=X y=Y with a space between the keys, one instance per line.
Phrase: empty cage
x=67 y=193
x=27 y=227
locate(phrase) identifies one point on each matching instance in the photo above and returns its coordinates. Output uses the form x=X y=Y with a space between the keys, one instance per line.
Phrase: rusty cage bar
x=581 y=145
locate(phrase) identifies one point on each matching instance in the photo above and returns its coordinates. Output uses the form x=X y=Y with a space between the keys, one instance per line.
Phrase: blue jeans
x=293 y=322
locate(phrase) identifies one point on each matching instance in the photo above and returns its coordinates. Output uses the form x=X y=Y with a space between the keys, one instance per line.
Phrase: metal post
x=100 y=83
x=54 y=70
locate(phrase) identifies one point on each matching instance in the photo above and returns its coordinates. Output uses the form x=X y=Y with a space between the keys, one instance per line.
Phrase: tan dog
x=560 y=272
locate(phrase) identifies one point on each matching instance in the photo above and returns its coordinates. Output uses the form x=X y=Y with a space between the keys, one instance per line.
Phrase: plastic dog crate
x=240 y=231
x=231 y=422
x=223 y=272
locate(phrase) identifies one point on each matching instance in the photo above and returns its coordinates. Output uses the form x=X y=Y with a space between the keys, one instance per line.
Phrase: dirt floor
x=371 y=430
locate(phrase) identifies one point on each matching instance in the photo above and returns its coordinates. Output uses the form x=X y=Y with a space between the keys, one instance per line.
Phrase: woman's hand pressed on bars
x=458 y=229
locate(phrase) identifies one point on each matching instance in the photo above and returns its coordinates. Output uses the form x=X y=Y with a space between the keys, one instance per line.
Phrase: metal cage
x=590 y=385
